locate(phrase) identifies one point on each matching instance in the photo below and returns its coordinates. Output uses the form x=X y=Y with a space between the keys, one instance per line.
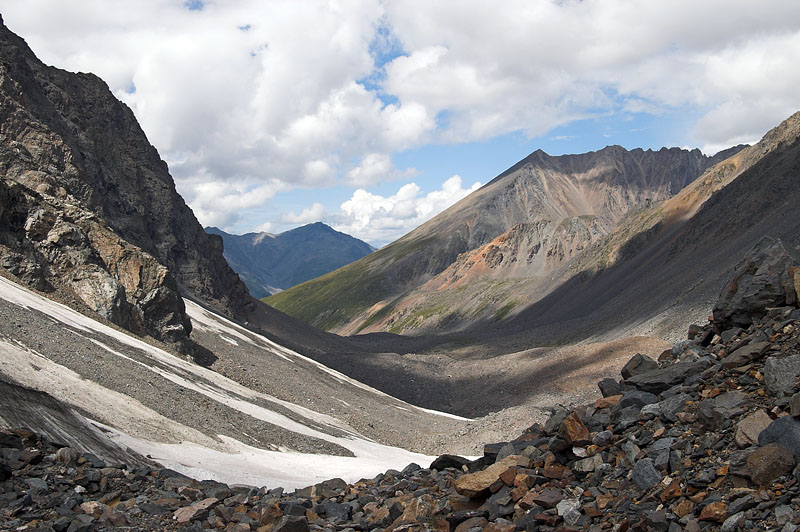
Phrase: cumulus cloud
x=315 y=213
x=380 y=219
x=240 y=95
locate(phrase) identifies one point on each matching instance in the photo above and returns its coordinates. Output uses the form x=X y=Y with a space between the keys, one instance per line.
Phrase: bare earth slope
x=563 y=204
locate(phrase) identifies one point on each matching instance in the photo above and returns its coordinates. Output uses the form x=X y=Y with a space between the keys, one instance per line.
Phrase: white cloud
x=282 y=106
x=379 y=219
x=315 y=213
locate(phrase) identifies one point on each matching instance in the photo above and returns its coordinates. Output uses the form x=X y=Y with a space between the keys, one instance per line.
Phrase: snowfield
x=188 y=449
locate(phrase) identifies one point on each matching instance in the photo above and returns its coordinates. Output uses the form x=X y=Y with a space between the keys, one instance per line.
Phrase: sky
x=375 y=115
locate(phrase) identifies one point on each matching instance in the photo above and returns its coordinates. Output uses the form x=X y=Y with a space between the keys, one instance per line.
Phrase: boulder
x=780 y=374
x=480 y=483
x=449 y=460
x=662 y=379
x=769 y=463
x=645 y=475
x=638 y=364
x=748 y=429
x=745 y=354
x=574 y=431
x=785 y=431
x=761 y=280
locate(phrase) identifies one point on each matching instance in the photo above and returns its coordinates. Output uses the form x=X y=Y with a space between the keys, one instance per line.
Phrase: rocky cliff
x=98 y=213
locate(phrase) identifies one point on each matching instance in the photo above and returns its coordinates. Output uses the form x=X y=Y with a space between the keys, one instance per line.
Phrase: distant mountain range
x=270 y=263
x=503 y=247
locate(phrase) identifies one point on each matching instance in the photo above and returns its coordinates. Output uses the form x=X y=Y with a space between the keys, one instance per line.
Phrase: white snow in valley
x=183 y=448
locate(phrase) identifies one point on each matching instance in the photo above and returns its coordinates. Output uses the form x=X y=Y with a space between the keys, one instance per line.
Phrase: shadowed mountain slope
x=270 y=263
x=562 y=204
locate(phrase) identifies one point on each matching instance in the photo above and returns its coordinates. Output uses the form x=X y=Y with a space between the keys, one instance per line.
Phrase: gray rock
x=645 y=475
x=785 y=431
x=761 y=280
x=745 y=354
x=638 y=364
x=291 y=523
x=609 y=387
x=637 y=398
x=662 y=379
x=672 y=405
x=731 y=524
x=780 y=374
x=794 y=405
x=602 y=438
x=715 y=413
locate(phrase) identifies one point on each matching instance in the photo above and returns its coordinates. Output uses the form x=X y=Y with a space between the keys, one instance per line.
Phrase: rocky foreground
x=706 y=437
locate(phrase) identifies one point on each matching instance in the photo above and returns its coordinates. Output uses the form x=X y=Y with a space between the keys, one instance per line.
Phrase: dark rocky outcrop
x=89 y=206
x=764 y=278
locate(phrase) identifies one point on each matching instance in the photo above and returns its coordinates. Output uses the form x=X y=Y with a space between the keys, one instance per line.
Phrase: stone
x=587 y=465
x=745 y=354
x=472 y=522
x=662 y=379
x=794 y=405
x=731 y=524
x=715 y=412
x=671 y=406
x=448 y=460
x=785 y=431
x=607 y=402
x=748 y=429
x=638 y=364
x=714 y=511
x=768 y=463
x=477 y=484
x=603 y=438
x=780 y=374
x=645 y=475
x=761 y=280
x=637 y=398
x=574 y=431
x=291 y=523
x=548 y=498
x=609 y=387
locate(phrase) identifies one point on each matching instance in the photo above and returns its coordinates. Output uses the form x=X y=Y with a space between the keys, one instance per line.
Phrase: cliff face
x=67 y=133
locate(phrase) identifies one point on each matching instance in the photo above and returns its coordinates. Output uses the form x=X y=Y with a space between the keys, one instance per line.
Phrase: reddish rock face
x=574 y=431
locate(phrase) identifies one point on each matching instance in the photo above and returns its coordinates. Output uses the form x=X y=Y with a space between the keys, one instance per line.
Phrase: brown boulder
x=574 y=431
x=769 y=462
x=477 y=484
x=750 y=427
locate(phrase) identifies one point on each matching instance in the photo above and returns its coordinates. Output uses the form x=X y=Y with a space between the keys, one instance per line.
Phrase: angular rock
x=768 y=463
x=637 y=398
x=574 y=431
x=638 y=364
x=291 y=523
x=645 y=475
x=672 y=405
x=448 y=460
x=785 y=431
x=748 y=429
x=609 y=387
x=662 y=379
x=780 y=374
x=715 y=511
x=477 y=484
x=745 y=354
x=761 y=280
x=714 y=413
